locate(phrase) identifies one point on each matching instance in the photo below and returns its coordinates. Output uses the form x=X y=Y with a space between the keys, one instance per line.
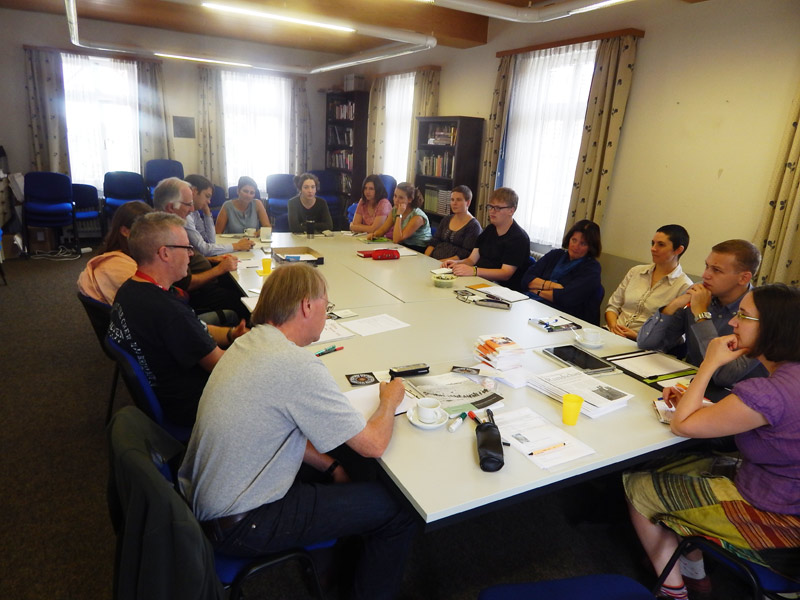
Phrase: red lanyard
x=182 y=294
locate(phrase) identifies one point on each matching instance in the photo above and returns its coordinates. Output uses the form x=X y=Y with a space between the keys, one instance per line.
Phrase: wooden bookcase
x=346 y=140
x=448 y=154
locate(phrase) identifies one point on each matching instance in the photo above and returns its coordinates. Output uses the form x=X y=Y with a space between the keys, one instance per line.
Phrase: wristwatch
x=703 y=316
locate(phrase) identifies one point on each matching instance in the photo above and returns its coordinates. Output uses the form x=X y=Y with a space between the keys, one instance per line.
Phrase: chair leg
x=113 y=393
x=235 y=591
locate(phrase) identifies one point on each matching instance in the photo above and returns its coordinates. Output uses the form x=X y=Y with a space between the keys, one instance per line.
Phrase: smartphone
x=580 y=359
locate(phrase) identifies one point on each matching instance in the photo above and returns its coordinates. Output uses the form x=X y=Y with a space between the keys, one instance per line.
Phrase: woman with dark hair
x=243 y=212
x=200 y=222
x=749 y=503
x=568 y=278
x=307 y=206
x=407 y=222
x=646 y=288
x=373 y=207
x=107 y=271
x=457 y=233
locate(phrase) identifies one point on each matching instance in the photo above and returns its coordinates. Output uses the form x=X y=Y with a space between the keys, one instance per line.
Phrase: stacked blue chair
x=120 y=187
x=87 y=205
x=217 y=200
x=280 y=189
x=158 y=169
x=329 y=191
x=48 y=202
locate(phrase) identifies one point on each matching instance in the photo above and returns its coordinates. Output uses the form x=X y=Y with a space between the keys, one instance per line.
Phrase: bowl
x=443 y=280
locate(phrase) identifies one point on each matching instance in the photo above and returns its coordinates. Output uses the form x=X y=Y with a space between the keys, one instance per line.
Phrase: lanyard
x=182 y=294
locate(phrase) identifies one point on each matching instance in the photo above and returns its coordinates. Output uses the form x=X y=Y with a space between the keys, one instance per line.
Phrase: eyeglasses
x=330 y=307
x=189 y=249
x=495 y=207
x=743 y=317
x=188 y=203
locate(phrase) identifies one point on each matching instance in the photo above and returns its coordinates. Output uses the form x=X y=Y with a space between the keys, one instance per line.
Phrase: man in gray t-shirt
x=270 y=407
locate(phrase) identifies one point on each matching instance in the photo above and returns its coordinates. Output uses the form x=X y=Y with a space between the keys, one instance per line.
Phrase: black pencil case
x=490 y=447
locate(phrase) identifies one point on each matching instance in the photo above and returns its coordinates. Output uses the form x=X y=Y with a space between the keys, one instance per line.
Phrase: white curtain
x=549 y=94
x=257 y=112
x=399 y=119
x=102 y=105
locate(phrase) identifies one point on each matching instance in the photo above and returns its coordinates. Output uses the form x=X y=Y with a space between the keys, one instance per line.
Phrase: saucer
x=412 y=416
x=585 y=344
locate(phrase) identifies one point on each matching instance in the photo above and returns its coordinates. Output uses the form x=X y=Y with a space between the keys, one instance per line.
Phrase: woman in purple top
x=750 y=503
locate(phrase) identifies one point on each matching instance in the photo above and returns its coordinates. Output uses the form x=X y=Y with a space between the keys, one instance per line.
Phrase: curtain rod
x=202 y=65
x=119 y=56
x=577 y=40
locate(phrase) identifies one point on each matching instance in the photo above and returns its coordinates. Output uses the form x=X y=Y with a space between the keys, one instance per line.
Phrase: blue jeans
x=314 y=512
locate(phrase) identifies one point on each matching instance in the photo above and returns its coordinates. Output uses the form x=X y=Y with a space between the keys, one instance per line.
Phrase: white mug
x=591 y=336
x=428 y=410
x=250 y=232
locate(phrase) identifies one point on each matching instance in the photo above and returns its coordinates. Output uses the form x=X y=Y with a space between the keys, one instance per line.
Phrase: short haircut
x=677 y=235
x=199 y=182
x=412 y=193
x=149 y=233
x=168 y=192
x=778 y=327
x=284 y=290
x=505 y=195
x=591 y=233
x=299 y=180
x=124 y=216
x=464 y=191
x=747 y=256
x=245 y=180
x=380 y=189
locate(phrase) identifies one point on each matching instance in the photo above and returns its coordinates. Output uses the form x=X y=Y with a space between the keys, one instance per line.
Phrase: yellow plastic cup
x=570 y=408
x=266 y=267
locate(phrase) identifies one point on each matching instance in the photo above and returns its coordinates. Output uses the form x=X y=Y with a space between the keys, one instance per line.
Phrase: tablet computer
x=580 y=359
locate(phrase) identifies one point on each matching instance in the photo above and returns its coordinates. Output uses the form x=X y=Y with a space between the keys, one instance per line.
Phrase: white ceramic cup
x=250 y=232
x=266 y=233
x=428 y=410
x=591 y=336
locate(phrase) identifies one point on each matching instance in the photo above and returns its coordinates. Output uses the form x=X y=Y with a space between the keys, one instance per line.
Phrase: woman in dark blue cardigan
x=568 y=278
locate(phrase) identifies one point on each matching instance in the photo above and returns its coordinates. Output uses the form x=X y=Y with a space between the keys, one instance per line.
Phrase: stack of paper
x=499 y=351
x=598 y=398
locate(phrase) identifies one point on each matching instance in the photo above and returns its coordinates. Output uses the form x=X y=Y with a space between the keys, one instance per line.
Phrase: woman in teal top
x=407 y=224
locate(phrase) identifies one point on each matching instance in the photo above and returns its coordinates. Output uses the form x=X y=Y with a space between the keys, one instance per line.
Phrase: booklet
x=498 y=291
x=651 y=366
x=598 y=398
x=456 y=392
x=554 y=324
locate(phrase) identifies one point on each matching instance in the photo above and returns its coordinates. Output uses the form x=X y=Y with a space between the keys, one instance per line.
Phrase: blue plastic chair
x=217 y=200
x=99 y=314
x=329 y=191
x=233 y=193
x=120 y=187
x=280 y=189
x=351 y=212
x=589 y=587
x=281 y=224
x=159 y=169
x=48 y=202
x=87 y=205
x=143 y=395
x=761 y=580
x=389 y=183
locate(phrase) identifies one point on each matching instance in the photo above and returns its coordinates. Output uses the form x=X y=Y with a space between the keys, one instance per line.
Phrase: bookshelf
x=448 y=154
x=346 y=140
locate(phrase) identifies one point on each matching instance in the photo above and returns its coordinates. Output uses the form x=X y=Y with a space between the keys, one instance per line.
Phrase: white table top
x=442 y=333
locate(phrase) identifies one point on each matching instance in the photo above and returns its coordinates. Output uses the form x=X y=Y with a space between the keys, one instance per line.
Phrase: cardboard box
x=354 y=83
x=297 y=254
x=41 y=239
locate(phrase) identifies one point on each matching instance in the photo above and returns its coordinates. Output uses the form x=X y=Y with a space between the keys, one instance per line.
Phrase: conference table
x=437 y=471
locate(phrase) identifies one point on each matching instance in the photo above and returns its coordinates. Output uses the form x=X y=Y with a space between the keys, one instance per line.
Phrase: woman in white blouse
x=646 y=288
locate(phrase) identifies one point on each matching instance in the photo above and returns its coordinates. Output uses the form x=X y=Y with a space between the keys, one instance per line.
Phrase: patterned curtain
x=778 y=234
x=211 y=129
x=300 y=129
x=495 y=129
x=608 y=98
x=155 y=135
x=44 y=84
x=426 y=104
x=376 y=125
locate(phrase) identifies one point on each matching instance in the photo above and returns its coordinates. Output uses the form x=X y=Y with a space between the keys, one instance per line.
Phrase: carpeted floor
x=57 y=542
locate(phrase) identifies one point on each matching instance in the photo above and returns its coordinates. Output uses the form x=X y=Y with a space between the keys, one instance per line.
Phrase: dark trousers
x=315 y=512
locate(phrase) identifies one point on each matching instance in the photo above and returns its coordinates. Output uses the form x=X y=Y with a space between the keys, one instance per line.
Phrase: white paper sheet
x=365 y=400
x=333 y=331
x=377 y=324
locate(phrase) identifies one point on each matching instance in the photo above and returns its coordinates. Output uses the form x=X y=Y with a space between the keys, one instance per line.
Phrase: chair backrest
x=281 y=186
x=328 y=181
x=160 y=168
x=233 y=192
x=136 y=381
x=351 y=211
x=47 y=188
x=124 y=185
x=85 y=197
x=99 y=314
x=217 y=197
x=281 y=224
x=389 y=183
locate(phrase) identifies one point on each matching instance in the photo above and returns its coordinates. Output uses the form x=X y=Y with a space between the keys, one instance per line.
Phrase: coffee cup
x=590 y=336
x=250 y=232
x=428 y=410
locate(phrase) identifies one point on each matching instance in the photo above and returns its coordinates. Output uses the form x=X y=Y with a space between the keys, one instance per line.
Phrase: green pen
x=326 y=350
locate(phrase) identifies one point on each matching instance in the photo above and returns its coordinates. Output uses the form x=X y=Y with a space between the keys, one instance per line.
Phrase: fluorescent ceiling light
x=276 y=17
x=204 y=60
x=596 y=6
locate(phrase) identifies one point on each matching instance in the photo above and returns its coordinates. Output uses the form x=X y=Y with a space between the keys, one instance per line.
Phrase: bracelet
x=333 y=466
x=229 y=334
x=476 y=270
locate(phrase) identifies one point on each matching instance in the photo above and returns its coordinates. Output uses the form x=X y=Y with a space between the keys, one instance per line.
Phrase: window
x=102 y=107
x=257 y=111
x=399 y=118
x=549 y=94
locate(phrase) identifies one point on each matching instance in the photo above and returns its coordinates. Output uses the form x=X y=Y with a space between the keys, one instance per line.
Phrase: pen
x=326 y=350
x=330 y=350
x=457 y=421
x=474 y=417
x=553 y=447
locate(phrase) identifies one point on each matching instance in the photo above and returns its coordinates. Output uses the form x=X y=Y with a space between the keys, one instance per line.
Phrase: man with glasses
x=262 y=470
x=152 y=321
x=704 y=310
x=502 y=251
x=208 y=293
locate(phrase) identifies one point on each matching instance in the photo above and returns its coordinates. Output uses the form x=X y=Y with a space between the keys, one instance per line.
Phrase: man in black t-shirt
x=502 y=252
x=151 y=320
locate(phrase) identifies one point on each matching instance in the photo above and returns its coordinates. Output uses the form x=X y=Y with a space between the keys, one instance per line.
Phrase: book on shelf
x=598 y=398
x=442 y=135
